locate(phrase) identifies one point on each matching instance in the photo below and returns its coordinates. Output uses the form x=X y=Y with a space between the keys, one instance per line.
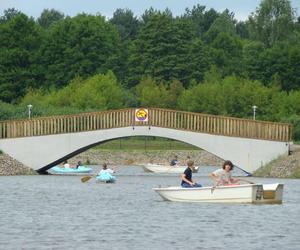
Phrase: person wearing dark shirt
x=174 y=162
x=79 y=164
x=186 y=177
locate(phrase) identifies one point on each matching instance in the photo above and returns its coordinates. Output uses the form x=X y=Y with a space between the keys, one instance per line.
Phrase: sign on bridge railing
x=141 y=115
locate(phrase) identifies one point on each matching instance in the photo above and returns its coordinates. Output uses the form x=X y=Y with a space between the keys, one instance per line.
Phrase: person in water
x=174 y=162
x=186 y=177
x=223 y=176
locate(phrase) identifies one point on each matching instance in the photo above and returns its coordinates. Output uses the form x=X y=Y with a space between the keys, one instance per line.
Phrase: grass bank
x=144 y=143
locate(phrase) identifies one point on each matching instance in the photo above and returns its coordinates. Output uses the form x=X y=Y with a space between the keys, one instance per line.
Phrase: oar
x=86 y=178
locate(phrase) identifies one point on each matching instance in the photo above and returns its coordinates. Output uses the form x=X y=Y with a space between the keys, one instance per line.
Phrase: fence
x=196 y=122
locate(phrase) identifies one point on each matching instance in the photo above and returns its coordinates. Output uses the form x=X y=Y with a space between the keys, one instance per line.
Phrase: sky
x=241 y=8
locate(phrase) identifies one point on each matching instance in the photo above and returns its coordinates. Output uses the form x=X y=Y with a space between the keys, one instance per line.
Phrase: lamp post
x=254 y=111
x=29 y=110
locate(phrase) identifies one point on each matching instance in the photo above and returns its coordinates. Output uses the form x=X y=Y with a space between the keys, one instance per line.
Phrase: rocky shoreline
x=283 y=167
x=10 y=166
x=139 y=157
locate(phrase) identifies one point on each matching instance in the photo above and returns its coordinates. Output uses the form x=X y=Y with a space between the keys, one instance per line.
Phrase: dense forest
x=202 y=61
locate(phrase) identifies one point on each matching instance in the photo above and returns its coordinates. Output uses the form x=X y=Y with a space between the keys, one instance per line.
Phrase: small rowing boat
x=68 y=170
x=164 y=169
x=246 y=193
x=106 y=177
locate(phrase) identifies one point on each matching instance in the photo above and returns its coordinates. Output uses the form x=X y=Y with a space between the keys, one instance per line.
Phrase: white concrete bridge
x=44 y=142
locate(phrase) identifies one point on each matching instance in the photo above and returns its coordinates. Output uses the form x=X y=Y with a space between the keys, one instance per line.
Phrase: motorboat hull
x=248 y=193
x=163 y=169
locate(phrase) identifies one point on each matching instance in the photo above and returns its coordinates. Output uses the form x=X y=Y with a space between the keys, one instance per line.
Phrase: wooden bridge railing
x=197 y=122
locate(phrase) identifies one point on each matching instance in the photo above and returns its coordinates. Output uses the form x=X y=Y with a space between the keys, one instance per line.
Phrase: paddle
x=86 y=178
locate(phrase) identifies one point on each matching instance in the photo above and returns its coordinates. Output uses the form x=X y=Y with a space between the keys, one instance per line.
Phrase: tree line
x=202 y=61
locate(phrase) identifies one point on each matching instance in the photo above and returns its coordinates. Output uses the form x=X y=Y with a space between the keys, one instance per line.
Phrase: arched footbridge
x=41 y=143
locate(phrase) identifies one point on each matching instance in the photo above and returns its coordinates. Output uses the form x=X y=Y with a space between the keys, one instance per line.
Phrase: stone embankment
x=139 y=157
x=283 y=167
x=9 y=166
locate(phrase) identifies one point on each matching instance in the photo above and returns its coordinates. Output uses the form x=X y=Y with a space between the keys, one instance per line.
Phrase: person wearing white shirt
x=106 y=170
x=66 y=164
x=223 y=176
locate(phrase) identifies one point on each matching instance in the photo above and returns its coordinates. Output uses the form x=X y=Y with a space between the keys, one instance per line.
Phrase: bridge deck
x=196 y=122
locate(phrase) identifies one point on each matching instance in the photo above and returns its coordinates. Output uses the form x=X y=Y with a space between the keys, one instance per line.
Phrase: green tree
x=199 y=60
x=161 y=49
x=242 y=29
x=19 y=43
x=201 y=19
x=83 y=45
x=127 y=24
x=9 y=14
x=151 y=94
x=292 y=76
x=272 y=21
x=174 y=90
x=227 y=53
x=223 y=24
x=48 y=17
x=99 y=92
x=252 y=51
x=274 y=62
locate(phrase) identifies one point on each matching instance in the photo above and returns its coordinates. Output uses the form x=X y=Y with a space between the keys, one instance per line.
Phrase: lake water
x=60 y=212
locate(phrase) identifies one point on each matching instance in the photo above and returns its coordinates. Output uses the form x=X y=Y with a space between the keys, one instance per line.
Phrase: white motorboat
x=164 y=169
x=246 y=193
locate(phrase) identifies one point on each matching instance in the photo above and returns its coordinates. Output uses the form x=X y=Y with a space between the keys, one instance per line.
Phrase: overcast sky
x=241 y=8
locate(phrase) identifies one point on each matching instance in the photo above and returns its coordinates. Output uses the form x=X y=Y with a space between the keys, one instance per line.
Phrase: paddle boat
x=68 y=170
x=243 y=193
x=164 y=169
x=106 y=178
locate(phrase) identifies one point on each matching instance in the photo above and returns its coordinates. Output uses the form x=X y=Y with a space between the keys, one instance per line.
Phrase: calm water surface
x=60 y=212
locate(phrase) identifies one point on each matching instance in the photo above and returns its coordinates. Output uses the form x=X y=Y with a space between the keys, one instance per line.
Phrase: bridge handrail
x=197 y=122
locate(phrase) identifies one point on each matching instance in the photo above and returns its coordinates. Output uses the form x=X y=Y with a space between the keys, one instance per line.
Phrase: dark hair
x=190 y=163
x=105 y=166
x=228 y=163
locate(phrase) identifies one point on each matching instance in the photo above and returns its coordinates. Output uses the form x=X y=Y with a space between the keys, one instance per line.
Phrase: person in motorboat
x=223 y=176
x=186 y=177
x=174 y=162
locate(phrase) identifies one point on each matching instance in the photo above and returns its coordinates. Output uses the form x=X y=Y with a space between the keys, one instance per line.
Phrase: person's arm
x=215 y=179
x=186 y=180
x=234 y=180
